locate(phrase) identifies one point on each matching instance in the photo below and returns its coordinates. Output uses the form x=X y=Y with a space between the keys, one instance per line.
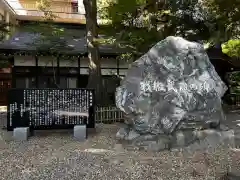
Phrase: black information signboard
x=50 y=108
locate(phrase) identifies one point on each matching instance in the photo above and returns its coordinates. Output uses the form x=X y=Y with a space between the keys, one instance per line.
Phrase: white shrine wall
x=108 y=65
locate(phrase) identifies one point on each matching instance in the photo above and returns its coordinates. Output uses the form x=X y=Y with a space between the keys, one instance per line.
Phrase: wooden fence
x=108 y=115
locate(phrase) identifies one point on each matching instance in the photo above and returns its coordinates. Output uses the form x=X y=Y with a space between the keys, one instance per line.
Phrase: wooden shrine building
x=33 y=67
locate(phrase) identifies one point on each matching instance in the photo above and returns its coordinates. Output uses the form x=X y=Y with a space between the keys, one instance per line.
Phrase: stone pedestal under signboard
x=171 y=92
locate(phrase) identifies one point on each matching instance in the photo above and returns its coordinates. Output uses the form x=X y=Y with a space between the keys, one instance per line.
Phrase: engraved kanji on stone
x=157 y=86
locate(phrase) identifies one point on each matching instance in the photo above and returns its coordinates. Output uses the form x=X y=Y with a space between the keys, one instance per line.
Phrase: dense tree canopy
x=232 y=48
x=227 y=14
x=3 y=30
x=140 y=23
x=48 y=34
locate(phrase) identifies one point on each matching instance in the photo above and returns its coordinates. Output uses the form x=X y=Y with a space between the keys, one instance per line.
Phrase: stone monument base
x=21 y=133
x=80 y=132
x=190 y=140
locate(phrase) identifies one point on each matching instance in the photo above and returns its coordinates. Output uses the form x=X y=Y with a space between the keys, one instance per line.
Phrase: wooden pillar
x=13 y=84
x=78 y=76
x=58 y=71
x=37 y=72
x=118 y=67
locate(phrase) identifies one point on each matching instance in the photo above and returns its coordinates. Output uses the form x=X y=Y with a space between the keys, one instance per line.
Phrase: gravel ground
x=56 y=155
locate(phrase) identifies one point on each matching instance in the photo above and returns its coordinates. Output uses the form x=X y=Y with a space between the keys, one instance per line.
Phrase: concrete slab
x=21 y=133
x=80 y=132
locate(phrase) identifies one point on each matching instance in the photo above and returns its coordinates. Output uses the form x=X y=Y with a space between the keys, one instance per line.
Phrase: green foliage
x=45 y=7
x=4 y=63
x=232 y=47
x=225 y=16
x=141 y=23
x=5 y=29
x=227 y=24
x=234 y=81
x=234 y=77
x=133 y=24
x=124 y=11
x=189 y=20
x=49 y=36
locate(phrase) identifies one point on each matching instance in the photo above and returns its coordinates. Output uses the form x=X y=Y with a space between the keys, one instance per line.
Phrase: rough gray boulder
x=172 y=87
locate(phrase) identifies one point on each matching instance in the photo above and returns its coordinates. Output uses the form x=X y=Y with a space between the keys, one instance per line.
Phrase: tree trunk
x=95 y=80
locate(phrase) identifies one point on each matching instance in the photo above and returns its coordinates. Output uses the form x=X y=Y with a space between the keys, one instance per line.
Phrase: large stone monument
x=172 y=91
